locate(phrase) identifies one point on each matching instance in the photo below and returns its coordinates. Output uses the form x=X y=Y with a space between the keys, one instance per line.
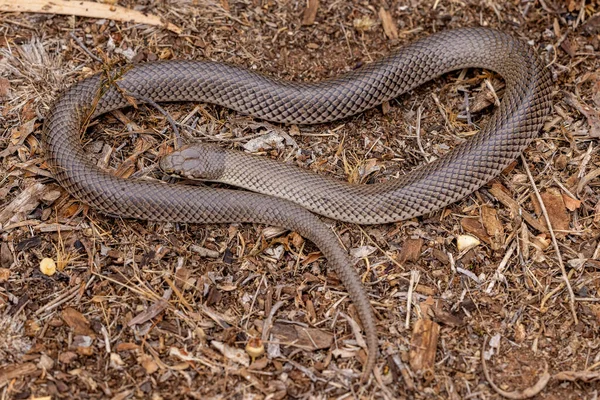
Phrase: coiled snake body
x=460 y=172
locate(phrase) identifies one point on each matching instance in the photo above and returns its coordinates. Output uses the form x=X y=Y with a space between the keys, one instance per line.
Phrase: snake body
x=466 y=168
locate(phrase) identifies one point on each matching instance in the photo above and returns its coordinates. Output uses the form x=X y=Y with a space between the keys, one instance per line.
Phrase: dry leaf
x=362 y=251
x=147 y=362
x=465 y=242
x=389 y=27
x=4 y=275
x=411 y=251
x=557 y=211
x=474 y=227
x=501 y=194
x=76 y=321
x=592 y=115
x=152 y=311
x=571 y=203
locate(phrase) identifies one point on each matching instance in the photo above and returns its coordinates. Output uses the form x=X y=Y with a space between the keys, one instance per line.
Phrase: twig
x=501 y=267
x=164 y=112
x=442 y=110
x=267 y=324
x=419 y=114
x=414 y=280
x=253 y=301
x=554 y=241
x=59 y=300
x=85 y=49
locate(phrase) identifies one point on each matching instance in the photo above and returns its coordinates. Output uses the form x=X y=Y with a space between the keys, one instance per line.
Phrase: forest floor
x=160 y=310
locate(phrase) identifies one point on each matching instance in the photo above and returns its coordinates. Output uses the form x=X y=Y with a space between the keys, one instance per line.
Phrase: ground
x=159 y=310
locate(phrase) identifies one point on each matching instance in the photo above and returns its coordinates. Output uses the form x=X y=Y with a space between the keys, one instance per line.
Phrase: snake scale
x=461 y=171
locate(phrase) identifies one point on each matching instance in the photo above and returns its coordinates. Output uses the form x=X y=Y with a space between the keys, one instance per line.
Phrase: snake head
x=195 y=161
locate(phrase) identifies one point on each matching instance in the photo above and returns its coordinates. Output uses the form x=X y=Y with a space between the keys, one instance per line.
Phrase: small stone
x=465 y=242
x=45 y=362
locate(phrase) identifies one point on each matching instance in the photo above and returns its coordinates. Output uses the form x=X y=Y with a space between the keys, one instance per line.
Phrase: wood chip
x=389 y=27
x=232 y=353
x=6 y=257
x=4 y=89
x=85 y=9
x=14 y=371
x=306 y=338
x=474 y=227
x=76 y=321
x=411 y=251
x=423 y=345
x=500 y=193
x=310 y=12
x=24 y=203
x=571 y=203
x=569 y=46
x=447 y=318
x=489 y=218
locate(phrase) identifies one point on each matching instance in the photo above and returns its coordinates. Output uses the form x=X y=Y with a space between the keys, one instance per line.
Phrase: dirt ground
x=147 y=310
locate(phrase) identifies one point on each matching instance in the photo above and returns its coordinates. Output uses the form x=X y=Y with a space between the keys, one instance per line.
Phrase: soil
x=139 y=309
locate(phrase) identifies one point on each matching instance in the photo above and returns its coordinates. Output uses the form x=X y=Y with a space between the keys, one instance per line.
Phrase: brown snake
x=460 y=172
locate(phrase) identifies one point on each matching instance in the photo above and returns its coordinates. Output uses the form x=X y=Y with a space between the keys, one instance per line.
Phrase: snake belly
x=463 y=170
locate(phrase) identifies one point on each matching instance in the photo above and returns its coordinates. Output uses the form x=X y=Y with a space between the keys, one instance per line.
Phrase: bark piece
x=423 y=345
x=307 y=338
x=411 y=251
x=310 y=12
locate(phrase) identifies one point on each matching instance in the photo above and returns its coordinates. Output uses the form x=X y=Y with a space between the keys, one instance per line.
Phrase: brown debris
x=516 y=394
x=584 y=376
x=154 y=310
x=76 y=321
x=557 y=211
x=389 y=26
x=310 y=12
x=592 y=25
x=411 y=250
x=226 y=280
x=4 y=89
x=500 y=193
x=571 y=203
x=15 y=371
x=6 y=257
x=489 y=218
x=474 y=227
x=591 y=113
x=423 y=346
x=305 y=338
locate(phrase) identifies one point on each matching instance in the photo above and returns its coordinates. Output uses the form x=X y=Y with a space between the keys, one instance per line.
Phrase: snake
x=293 y=198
